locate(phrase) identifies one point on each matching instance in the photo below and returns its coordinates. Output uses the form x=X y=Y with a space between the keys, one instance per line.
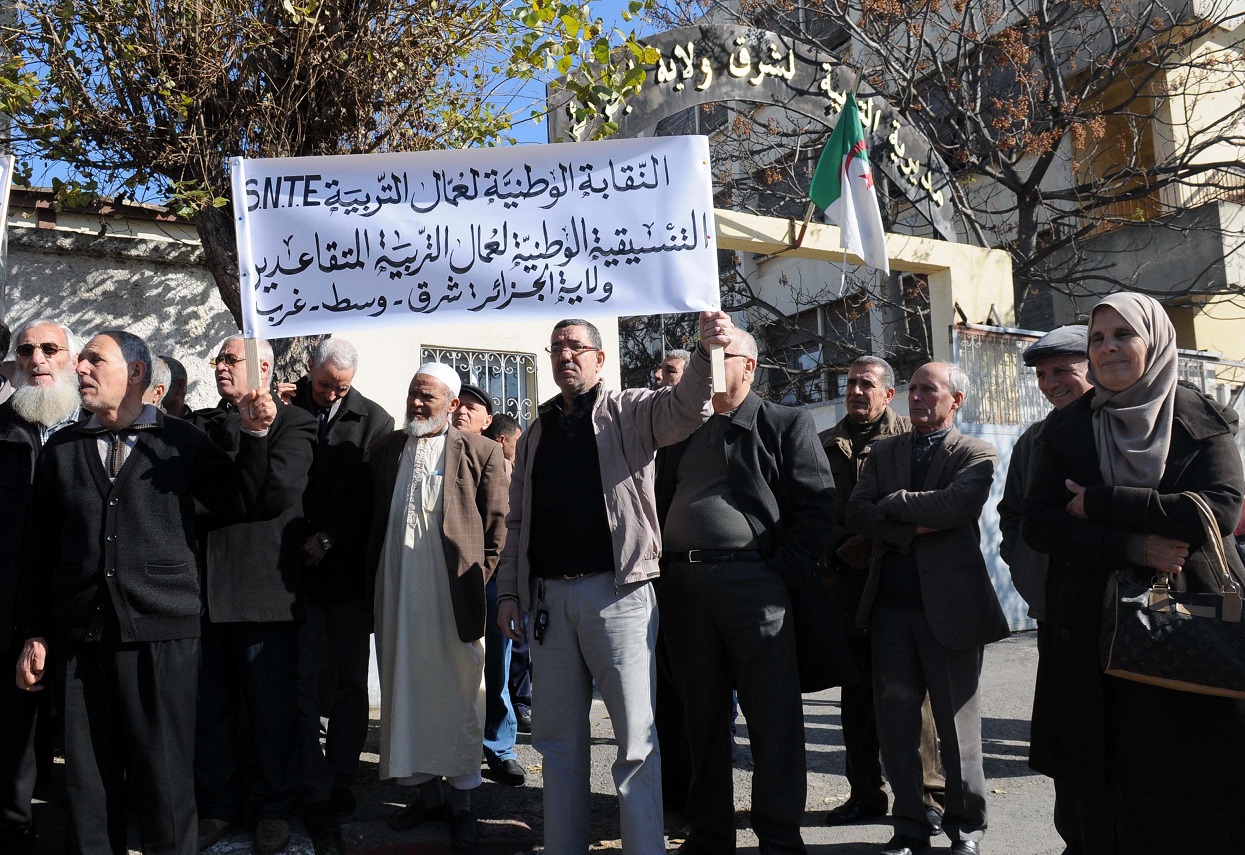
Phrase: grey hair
x=957 y=378
x=594 y=334
x=679 y=354
x=747 y=345
x=161 y=374
x=265 y=353
x=888 y=373
x=133 y=349
x=337 y=352
x=72 y=341
x=177 y=371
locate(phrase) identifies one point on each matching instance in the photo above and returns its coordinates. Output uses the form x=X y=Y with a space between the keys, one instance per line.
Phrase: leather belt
x=561 y=576
x=714 y=556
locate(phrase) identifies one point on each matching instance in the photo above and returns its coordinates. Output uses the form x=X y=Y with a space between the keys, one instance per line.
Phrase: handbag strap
x=1227 y=582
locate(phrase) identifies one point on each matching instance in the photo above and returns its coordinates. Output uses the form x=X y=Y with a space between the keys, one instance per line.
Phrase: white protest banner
x=623 y=227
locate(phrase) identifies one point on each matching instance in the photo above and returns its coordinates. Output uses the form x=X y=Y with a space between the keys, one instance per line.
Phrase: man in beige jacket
x=581 y=550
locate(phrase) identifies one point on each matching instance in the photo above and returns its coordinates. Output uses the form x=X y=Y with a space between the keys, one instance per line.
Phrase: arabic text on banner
x=622 y=227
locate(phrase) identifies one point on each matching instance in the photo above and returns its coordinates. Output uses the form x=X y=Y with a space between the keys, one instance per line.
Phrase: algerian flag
x=843 y=188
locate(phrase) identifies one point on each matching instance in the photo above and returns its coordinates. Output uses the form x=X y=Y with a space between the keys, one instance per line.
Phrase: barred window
x=509 y=378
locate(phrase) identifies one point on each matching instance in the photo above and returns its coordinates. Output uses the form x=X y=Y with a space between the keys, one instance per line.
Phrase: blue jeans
x=500 y=724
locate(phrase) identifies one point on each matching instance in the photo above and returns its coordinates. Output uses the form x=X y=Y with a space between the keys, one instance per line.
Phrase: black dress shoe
x=933 y=815
x=417 y=812
x=463 y=831
x=524 y=718
x=902 y=844
x=965 y=847
x=509 y=772
x=853 y=811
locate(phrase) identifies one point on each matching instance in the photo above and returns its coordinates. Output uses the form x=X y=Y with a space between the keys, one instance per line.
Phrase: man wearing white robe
x=439 y=506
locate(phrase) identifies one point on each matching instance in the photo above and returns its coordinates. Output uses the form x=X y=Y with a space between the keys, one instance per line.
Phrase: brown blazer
x=474 y=506
x=960 y=604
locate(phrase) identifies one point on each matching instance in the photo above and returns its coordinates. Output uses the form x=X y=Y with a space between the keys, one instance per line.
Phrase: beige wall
x=156 y=286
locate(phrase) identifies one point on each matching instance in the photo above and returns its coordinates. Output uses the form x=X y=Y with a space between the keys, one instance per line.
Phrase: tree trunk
x=220 y=248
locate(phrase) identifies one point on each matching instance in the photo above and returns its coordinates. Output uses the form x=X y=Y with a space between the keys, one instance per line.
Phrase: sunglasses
x=227 y=359
x=27 y=350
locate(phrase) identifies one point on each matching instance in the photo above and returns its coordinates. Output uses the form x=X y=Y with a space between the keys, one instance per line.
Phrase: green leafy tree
x=157 y=95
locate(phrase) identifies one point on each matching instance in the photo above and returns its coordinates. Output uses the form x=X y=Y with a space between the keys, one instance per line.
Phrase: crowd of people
x=198 y=590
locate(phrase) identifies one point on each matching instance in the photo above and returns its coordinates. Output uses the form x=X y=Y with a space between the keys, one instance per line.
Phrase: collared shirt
x=923 y=445
x=103 y=442
x=46 y=431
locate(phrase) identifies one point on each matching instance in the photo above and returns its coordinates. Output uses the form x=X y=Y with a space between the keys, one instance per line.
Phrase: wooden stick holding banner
x=6 y=182
x=717 y=367
x=245 y=266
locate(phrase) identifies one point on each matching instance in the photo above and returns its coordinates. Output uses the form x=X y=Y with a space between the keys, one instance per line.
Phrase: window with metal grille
x=509 y=378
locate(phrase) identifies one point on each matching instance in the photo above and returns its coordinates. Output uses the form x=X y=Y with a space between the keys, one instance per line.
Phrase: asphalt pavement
x=1019 y=800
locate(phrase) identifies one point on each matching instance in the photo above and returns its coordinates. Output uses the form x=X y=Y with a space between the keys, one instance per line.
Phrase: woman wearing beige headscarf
x=1137 y=768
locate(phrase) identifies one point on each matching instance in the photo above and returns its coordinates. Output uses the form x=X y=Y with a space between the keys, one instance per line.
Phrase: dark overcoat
x=254 y=569
x=338 y=500
x=1074 y=733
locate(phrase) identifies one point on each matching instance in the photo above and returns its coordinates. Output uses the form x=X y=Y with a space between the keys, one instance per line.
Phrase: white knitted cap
x=445 y=374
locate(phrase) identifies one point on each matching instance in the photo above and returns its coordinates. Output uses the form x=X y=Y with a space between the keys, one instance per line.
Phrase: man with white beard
x=45 y=399
x=438 y=525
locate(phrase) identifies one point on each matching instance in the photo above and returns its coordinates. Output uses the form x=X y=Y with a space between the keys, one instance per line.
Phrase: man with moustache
x=670 y=372
x=44 y=400
x=929 y=604
x=1062 y=367
x=437 y=532
x=1062 y=370
x=743 y=503
x=870 y=389
x=474 y=414
x=337 y=628
x=582 y=549
x=250 y=628
x=110 y=579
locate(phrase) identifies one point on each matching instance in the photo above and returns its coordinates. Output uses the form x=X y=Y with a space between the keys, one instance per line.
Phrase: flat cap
x=1062 y=341
x=476 y=392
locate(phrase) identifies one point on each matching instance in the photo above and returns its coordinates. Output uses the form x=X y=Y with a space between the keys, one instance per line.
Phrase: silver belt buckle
x=691 y=556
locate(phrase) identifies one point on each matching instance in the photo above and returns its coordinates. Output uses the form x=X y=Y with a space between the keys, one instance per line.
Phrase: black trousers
x=676 y=757
x=252 y=666
x=726 y=626
x=334 y=649
x=18 y=714
x=860 y=731
x=130 y=722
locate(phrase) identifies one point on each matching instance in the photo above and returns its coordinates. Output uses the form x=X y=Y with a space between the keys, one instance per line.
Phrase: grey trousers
x=600 y=633
x=908 y=661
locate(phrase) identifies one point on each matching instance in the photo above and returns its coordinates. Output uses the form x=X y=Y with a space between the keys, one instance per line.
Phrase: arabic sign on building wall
x=623 y=227
x=707 y=64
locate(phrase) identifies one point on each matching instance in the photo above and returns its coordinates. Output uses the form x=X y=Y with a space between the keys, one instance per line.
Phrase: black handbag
x=1190 y=642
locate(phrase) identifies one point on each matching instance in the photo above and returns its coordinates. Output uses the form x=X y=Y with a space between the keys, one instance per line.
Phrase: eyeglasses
x=27 y=350
x=575 y=349
x=227 y=359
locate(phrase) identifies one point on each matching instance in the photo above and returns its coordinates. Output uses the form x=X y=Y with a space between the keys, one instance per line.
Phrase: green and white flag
x=843 y=188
